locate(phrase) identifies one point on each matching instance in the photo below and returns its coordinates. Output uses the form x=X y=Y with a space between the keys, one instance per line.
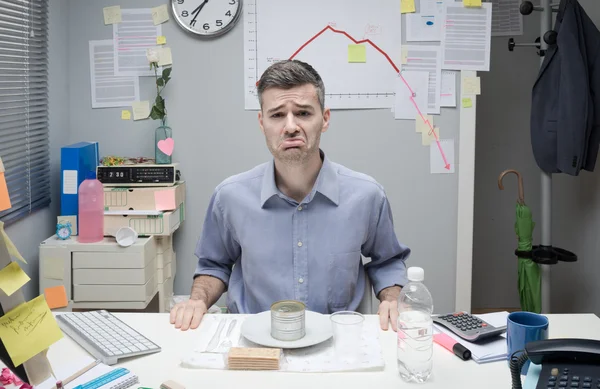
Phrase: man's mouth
x=292 y=143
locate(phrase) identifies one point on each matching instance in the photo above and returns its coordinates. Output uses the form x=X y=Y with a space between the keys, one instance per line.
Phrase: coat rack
x=544 y=254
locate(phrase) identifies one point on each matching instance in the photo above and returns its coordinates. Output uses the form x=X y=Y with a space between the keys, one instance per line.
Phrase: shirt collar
x=326 y=184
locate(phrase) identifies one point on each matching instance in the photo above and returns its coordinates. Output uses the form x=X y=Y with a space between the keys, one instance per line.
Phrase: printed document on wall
x=448 y=95
x=133 y=36
x=429 y=59
x=109 y=90
x=466 y=37
x=506 y=18
x=426 y=24
x=412 y=90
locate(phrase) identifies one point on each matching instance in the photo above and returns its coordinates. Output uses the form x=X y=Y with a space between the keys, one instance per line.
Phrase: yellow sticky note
x=53 y=268
x=407 y=6
x=12 y=277
x=404 y=55
x=423 y=126
x=141 y=109
x=164 y=56
x=357 y=53
x=161 y=40
x=472 y=3
x=160 y=14
x=112 y=14
x=28 y=329
x=125 y=115
x=430 y=136
x=467 y=102
x=12 y=250
x=471 y=86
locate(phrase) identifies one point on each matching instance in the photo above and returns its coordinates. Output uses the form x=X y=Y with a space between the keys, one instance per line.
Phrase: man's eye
x=304 y=113
x=276 y=115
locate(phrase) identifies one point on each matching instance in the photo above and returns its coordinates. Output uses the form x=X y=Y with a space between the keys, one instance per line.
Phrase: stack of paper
x=490 y=350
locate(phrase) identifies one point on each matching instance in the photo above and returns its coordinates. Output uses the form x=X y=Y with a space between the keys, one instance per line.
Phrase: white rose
x=152 y=55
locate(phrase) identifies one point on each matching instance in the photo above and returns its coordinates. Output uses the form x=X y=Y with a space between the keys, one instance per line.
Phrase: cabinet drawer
x=115 y=292
x=106 y=276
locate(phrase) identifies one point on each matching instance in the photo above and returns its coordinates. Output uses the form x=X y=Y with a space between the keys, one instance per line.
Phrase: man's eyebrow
x=275 y=109
x=305 y=106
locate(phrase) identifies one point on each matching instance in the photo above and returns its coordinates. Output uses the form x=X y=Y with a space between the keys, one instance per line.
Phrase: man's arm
x=387 y=270
x=207 y=289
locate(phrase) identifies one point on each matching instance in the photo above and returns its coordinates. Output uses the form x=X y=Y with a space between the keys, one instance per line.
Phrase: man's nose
x=290 y=123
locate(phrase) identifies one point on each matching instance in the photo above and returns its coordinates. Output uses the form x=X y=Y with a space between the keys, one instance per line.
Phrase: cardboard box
x=144 y=198
x=160 y=223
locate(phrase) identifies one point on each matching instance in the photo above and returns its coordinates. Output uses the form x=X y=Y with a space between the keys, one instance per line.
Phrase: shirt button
x=300 y=208
x=301 y=280
x=299 y=244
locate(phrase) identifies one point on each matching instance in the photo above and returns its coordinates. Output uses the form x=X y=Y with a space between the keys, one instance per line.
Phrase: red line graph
x=446 y=164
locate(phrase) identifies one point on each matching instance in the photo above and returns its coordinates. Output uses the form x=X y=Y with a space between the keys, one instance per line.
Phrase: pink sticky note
x=164 y=200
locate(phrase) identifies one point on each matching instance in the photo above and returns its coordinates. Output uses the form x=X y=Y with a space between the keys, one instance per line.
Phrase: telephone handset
x=570 y=363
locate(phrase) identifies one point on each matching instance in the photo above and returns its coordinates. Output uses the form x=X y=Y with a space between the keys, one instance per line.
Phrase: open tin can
x=288 y=320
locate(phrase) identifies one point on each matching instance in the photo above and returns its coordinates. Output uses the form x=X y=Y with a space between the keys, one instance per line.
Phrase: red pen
x=452 y=345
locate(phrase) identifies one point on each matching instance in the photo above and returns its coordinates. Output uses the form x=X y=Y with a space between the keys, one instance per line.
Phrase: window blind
x=24 y=145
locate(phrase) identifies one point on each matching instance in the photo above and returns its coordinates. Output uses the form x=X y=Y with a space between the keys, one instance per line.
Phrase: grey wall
x=215 y=137
x=503 y=142
x=27 y=233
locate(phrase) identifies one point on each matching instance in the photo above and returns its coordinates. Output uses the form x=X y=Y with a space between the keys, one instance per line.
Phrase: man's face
x=292 y=122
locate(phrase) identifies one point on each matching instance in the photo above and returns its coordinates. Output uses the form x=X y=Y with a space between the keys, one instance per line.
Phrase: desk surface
x=448 y=370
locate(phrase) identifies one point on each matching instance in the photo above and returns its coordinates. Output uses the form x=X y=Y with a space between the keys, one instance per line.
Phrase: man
x=295 y=227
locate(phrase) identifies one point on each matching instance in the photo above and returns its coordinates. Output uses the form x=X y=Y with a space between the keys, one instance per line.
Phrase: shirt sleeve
x=217 y=250
x=387 y=267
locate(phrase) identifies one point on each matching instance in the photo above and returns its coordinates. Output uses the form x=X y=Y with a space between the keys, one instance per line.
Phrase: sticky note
x=407 y=6
x=1 y=166
x=125 y=115
x=467 y=102
x=12 y=277
x=28 y=329
x=141 y=109
x=404 y=55
x=160 y=14
x=112 y=14
x=428 y=136
x=161 y=40
x=423 y=125
x=471 y=86
x=357 y=53
x=164 y=56
x=4 y=197
x=12 y=249
x=164 y=200
x=56 y=297
x=53 y=268
x=472 y=3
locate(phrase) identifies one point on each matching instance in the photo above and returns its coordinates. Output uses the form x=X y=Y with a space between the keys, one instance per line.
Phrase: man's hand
x=388 y=308
x=188 y=314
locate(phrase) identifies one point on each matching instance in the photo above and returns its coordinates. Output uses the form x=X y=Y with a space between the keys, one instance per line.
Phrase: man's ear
x=260 y=121
x=326 y=117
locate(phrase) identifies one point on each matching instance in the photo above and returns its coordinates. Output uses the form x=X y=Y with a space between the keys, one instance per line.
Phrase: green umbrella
x=529 y=272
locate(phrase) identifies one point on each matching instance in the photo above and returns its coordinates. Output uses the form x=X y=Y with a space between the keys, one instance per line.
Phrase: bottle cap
x=90 y=175
x=416 y=274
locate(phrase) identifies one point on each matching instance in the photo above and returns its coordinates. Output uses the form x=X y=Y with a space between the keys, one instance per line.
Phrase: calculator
x=467 y=326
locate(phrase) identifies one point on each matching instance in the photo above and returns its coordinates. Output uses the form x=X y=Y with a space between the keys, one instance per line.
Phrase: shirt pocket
x=343 y=277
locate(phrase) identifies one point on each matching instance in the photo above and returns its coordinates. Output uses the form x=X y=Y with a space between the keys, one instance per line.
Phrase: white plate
x=257 y=329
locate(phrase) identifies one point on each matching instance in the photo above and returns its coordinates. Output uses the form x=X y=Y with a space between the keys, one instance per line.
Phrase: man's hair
x=289 y=74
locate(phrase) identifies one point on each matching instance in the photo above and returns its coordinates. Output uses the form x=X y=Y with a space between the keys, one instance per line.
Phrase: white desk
x=448 y=371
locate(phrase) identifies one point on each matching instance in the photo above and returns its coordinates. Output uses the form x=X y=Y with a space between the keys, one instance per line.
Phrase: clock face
x=208 y=18
x=64 y=233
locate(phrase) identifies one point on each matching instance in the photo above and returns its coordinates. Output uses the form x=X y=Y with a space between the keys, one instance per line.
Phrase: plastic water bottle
x=91 y=210
x=415 y=329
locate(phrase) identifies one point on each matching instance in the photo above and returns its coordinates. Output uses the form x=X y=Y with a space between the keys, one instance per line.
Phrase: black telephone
x=566 y=363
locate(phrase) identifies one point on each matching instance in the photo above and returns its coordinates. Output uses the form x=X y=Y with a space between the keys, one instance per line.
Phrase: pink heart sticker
x=166 y=146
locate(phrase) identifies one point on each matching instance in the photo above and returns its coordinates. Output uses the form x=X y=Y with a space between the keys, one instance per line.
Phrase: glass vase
x=161 y=134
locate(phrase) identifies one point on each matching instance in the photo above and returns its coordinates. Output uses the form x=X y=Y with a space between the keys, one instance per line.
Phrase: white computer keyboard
x=105 y=336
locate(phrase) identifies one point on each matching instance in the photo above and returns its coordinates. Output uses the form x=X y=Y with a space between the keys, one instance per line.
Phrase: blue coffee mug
x=522 y=328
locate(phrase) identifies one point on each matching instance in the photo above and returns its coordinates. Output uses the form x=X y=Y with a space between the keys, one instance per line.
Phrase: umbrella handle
x=520 y=180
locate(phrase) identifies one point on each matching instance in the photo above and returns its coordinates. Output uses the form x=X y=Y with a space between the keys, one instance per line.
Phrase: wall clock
x=207 y=18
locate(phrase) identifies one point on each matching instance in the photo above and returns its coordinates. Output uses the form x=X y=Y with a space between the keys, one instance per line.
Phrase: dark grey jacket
x=565 y=112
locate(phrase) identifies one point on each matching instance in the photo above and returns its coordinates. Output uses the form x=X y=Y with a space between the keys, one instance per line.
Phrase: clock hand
x=196 y=12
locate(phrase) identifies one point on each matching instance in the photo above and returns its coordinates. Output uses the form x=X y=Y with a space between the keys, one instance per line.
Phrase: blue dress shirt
x=265 y=246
